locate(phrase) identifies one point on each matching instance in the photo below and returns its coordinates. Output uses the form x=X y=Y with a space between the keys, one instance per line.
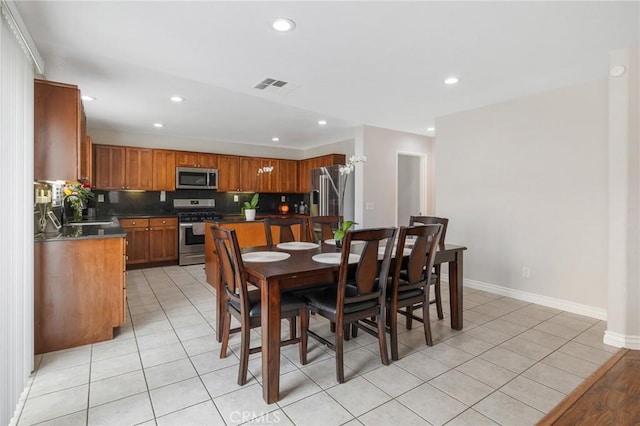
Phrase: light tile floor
x=511 y=364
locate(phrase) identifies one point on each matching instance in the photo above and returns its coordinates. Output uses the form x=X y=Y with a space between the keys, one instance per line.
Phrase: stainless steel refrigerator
x=325 y=200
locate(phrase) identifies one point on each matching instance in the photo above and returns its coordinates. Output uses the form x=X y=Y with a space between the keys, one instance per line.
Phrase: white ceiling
x=351 y=63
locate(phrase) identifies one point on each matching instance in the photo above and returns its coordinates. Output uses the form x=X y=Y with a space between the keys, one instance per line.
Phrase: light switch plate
x=369 y=206
x=163 y=196
x=283 y=198
x=101 y=198
x=235 y=199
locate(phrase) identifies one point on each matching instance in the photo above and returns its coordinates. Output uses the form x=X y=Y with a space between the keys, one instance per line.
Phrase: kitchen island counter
x=80 y=232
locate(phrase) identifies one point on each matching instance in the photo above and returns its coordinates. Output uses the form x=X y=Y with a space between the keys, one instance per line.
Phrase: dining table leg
x=455 y=290
x=270 y=304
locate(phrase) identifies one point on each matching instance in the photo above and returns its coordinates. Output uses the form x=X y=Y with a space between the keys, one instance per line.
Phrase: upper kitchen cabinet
x=268 y=182
x=119 y=167
x=287 y=175
x=249 y=180
x=196 y=159
x=305 y=167
x=164 y=170
x=86 y=159
x=228 y=173
x=59 y=131
x=109 y=167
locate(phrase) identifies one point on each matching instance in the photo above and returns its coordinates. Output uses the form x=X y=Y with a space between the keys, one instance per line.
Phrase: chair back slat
x=371 y=275
x=232 y=272
x=431 y=220
x=420 y=264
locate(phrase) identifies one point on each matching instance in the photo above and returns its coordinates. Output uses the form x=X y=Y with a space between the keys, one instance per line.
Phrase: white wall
x=16 y=219
x=377 y=183
x=524 y=183
x=623 y=325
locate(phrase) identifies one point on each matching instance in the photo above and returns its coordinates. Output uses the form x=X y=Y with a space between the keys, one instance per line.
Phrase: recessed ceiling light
x=275 y=139
x=158 y=125
x=87 y=98
x=451 y=80
x=177 y=99
x=322 y=122
x=283 y=24
x=431 y=129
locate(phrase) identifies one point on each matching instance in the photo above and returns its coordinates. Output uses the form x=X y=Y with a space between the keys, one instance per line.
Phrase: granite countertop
x=143 y=215
x=86 y=232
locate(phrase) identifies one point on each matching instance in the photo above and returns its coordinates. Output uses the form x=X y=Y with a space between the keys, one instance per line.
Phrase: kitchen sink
x=93 y=222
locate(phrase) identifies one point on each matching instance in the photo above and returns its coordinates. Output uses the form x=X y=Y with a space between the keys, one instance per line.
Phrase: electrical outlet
x=283 y=198
x=235 y=199
x=526 y=272
x=101 y=198
x=370 y=206
x=163 y=196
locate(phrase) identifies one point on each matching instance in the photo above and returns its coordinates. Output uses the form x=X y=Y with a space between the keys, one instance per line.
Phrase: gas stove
x=200 y=216
x=196 y=210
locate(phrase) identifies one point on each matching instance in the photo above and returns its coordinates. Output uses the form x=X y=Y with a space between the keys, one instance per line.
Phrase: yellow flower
x=67 y=191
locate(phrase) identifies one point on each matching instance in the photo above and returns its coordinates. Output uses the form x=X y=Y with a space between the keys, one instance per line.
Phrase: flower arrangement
x=77 y=194
x=345 y=171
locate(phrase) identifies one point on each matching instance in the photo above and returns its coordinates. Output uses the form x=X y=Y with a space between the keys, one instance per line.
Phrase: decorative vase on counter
x=250 y=214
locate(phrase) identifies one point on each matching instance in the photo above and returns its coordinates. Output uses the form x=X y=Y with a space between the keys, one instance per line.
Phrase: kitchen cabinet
x=164 y=170
x=196 y=159
x=137 y=240
x=109 y=167
x=268 y=182
x=305 y=167
x=137 y=172
x=86 y=160
x=287 y=176
x=151 y=240
x=163 y=239
x=120 y=167
x=228 y=173
x=249 y=180
x=59 y=131
x=78 y=302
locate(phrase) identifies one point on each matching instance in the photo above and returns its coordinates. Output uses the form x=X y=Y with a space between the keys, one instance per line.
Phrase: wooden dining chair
x=244 y=305
x=411 y=278
x=250 y=233
x=288 y=229
x=323 y=227
x=356 y=299
x=431 y=220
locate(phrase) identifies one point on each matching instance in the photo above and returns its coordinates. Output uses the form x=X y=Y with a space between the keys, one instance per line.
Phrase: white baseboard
x=621 y=341
x=552 y=302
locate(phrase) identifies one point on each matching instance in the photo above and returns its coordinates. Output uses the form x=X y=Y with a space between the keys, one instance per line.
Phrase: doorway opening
x=411 y=184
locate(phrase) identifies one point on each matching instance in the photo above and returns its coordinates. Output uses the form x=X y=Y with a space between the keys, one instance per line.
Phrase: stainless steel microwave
x=196 y=178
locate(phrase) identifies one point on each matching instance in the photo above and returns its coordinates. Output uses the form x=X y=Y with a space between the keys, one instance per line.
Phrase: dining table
x=276 y=274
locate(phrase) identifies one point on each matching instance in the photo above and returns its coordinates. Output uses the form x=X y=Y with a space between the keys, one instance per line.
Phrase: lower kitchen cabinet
x=79 y=292
x=151 y=240
x=163 y=239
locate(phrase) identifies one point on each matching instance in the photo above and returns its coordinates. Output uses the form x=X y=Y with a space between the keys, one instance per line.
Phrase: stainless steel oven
x=191 y=217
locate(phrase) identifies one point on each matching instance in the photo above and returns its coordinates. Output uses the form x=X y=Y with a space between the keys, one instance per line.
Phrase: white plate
x=333 y=242
x=334 y=258
x=297 y=245
x=265 y=256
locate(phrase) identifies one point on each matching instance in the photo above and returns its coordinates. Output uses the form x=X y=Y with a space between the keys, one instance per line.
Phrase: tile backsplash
x=148 y=202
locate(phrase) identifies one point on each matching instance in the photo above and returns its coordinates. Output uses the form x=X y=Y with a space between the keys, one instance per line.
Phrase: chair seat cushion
x=403 y=294
x=325 y=299
x=288 y=302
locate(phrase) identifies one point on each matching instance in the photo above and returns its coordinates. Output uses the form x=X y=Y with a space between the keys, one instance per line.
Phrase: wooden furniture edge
x=570 y=400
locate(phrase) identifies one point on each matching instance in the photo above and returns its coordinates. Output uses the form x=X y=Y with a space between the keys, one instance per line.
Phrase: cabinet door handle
x=164 y=221
x=133 y=223
x=146 y=229
x=126 y=257
x=150 y=229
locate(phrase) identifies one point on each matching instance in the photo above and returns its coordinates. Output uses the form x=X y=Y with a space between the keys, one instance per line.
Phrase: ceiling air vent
x=267 y=82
